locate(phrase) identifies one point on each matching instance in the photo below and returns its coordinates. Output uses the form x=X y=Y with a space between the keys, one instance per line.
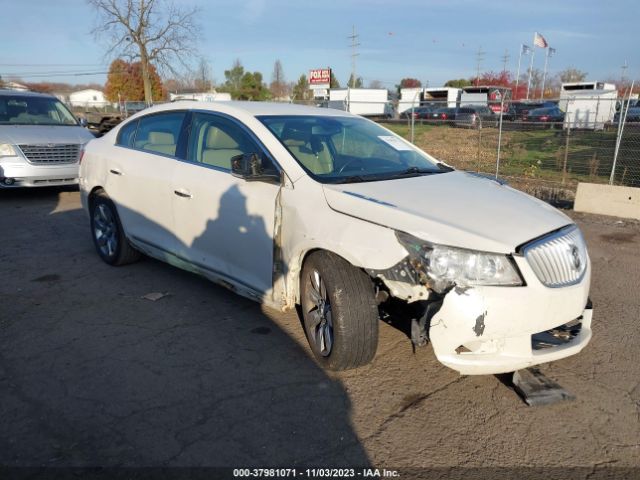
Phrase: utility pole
x=623 y=71
x=479 y=59
x=505 y=60
x=354 y=45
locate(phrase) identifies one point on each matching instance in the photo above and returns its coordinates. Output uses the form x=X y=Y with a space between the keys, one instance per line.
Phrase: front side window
x=33 y=110
x=347 y=149
x=214 y=140
x=159 y=132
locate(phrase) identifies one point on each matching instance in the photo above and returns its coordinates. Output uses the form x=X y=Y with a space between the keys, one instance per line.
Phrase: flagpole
x=533 y=52
x=518 y=74
x=544 y=75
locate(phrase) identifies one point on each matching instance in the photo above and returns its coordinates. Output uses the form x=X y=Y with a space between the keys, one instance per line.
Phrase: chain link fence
x=543 y=147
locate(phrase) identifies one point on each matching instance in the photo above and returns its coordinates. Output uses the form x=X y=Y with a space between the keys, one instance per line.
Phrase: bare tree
x=279 y=87
x=203 y=81
x=375 y=84
x=153 y=31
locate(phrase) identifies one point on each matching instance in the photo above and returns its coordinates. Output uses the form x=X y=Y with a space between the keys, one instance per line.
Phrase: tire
x=107 y=233
x=345 y=335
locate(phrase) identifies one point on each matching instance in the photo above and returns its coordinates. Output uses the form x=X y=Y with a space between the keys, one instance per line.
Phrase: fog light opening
x=9 y=181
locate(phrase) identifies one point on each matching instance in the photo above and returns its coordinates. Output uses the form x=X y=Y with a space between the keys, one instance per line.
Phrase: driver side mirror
x=82 y=122
x=251 y=167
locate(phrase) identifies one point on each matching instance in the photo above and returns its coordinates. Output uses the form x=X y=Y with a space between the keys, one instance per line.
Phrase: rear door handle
x=115 y=171
x=182 y=193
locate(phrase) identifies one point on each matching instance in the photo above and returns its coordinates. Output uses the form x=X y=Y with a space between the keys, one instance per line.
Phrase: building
x=88 y=98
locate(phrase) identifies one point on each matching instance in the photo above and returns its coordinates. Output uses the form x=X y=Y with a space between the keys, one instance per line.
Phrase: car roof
x=23 y=93
x=251 y=108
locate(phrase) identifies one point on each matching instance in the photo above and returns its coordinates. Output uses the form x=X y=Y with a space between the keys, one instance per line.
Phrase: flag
x=539 y=41
x=526 y=50
x=551 y=52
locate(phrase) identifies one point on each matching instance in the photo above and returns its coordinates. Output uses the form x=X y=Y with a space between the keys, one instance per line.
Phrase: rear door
x=224 y=224
x=140 y=178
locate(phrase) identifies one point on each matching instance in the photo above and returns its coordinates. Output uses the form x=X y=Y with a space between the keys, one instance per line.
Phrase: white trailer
x=409 y=98
x=588 y=105
x=201 y=97
x=441 y=96
x=368 y=102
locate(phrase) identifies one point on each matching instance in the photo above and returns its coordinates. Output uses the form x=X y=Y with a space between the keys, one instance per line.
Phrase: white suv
x=293 y=205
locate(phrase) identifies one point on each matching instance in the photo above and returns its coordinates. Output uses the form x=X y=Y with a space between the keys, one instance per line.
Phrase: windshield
x=28 y=110
x=347 y=149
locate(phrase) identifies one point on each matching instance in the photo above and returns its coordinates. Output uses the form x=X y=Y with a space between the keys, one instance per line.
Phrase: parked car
x=551 y=116
x=332 y=214
x=476 y=117
x=442 y=115
x=418 y=112
x=40 y=140
x=519 y=110
x=633 y=115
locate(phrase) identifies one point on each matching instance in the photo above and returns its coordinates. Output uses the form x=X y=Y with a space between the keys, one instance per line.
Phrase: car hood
x=455 y=208
x=41 y=134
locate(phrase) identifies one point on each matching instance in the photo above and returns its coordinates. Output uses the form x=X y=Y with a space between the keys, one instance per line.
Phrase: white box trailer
x=368 y=102
x=201 y=97
x=588 y=105
x=409 y=98
x=441 y=96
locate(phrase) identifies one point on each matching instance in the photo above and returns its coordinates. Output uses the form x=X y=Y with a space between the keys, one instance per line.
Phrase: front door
x=224 y=224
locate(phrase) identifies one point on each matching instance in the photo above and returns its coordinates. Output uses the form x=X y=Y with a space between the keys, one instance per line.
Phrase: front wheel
x=108 y=236
x=340 y=312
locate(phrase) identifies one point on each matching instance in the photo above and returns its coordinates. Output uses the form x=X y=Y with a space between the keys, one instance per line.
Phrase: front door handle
x=182 y=193
x=115 y=171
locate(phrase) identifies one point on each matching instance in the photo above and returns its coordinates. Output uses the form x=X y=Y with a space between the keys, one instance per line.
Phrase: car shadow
x=93 y=374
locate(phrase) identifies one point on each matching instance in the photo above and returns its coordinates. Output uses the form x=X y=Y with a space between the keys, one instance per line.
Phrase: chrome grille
x=51 y=153
x=558 y=259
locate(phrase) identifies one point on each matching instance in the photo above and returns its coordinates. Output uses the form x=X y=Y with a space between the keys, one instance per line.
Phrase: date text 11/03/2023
x=315 y=473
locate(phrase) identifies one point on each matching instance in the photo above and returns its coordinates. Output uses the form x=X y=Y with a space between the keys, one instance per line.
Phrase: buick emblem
x=575 y=256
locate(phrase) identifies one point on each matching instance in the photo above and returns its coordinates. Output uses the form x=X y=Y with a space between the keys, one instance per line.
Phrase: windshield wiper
x=351 y=179
x=412 y=172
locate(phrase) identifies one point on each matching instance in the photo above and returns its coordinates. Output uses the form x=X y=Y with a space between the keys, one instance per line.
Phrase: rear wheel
x=340 y=312
x=108 y=236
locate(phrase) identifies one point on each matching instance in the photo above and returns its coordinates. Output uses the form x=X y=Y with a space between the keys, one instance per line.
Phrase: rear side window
x=127 y=134
x=159 y=132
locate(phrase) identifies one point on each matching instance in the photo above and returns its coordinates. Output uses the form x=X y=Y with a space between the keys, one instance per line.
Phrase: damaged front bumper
x=490 y=330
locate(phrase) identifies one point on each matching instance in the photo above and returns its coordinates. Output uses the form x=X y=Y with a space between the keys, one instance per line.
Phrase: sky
x=433 y=41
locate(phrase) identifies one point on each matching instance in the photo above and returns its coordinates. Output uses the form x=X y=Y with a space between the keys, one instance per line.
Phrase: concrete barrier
x=608 y=200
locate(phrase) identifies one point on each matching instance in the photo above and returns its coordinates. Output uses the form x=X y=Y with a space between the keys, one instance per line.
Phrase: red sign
x=320 y=76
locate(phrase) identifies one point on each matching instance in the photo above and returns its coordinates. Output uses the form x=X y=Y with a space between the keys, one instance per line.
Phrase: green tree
x=333 y=82
x=354 y=82
x=233 y=79
x=300 y=91
x=252 y=87
x=458 y=83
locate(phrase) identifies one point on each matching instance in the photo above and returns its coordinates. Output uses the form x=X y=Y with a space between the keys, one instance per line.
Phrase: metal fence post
x=621 y=119
x=566 y=154
x=499 y=137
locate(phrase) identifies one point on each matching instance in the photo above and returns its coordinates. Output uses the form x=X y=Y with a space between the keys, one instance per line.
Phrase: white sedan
x=293 y=205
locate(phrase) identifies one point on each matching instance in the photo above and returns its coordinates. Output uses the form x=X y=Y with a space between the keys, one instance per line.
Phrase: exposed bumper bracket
x=536 y=389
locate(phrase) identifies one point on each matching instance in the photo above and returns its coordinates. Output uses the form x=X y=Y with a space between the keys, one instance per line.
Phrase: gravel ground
x=92 y=374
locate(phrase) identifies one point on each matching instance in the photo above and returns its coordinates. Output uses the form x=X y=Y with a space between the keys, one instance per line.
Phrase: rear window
x=127 y=134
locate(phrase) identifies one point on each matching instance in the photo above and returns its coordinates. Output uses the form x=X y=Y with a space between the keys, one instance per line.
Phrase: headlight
x=448 y=266
x=7 y=150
